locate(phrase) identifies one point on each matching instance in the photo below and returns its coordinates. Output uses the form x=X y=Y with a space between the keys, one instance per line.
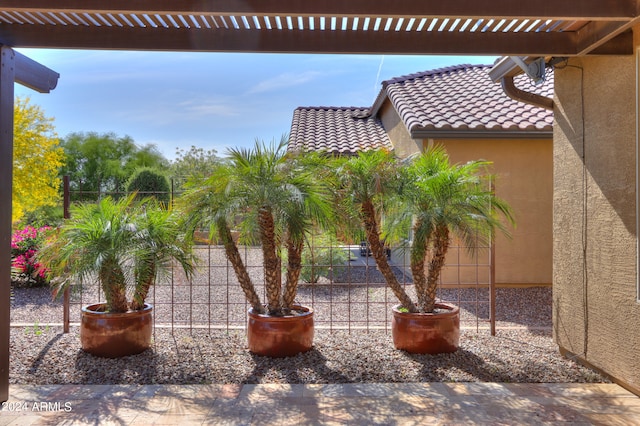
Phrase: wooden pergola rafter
x=504 y=27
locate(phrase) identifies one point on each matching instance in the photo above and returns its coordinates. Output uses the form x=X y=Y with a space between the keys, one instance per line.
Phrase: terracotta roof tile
x=337 y=130
x=458 y=99
x=462 y=98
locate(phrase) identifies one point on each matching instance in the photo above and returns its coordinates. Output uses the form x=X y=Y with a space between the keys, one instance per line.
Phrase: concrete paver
x=322 y=404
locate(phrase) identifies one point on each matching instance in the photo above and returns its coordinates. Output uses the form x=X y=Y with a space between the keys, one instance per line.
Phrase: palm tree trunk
x=231 y=250
x=294 y=266
x=142 y=289
x=114 y=287
x=377 y=250
x=271 y=260
x=440 y=248
x=418 y=258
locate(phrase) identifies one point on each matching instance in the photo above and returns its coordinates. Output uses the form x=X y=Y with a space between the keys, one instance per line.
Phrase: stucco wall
x=403 y=145
x=524 y=177
x=595 y=308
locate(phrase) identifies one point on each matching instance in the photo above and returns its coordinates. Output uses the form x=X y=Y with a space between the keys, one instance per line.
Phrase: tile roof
x=454 y=101
x=462 y=99
x=337 y=130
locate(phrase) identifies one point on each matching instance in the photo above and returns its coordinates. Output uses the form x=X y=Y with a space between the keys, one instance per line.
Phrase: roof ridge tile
x=431 y=73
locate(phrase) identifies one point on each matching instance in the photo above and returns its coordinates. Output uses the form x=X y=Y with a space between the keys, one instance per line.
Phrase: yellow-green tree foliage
x=37 y=158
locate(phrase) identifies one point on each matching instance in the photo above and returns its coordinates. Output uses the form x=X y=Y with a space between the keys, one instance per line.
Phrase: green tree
x=146 y=156
x=275 y=198
x=430 y=196
x=102 y=163
x=37 y=159
x=196 y=163
x=319 y=256
x=149 y=182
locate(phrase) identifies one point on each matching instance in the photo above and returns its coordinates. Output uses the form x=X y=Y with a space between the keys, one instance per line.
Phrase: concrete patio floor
x=322 y=404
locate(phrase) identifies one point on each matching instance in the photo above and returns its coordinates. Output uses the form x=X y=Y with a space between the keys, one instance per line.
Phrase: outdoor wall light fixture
x=536 y=69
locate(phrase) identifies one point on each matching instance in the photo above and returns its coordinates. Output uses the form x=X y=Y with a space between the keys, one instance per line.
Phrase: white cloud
x=164 y=113
x=284 y=81
x=197 y=108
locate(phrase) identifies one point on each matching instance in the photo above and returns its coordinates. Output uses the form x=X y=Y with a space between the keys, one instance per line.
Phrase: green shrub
x=42 y=216
x=318 y=260
x=150 y=183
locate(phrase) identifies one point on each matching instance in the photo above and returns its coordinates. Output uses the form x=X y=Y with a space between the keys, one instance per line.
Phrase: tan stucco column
x=595 y=309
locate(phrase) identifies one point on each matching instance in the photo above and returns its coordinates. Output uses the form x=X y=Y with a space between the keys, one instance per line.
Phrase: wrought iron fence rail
x=350 y=294
x=212 y=299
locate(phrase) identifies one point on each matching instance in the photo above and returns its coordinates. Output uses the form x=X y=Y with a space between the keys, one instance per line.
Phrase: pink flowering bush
x=25 y=270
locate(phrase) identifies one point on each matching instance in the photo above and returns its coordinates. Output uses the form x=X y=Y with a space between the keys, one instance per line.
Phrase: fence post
x=172 y=195
x=66 y=202
x=492 y=276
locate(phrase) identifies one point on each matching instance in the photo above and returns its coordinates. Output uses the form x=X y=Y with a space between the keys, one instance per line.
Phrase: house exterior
x=460 y=108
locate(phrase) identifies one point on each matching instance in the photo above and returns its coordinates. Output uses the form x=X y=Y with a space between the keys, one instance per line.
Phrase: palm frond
x=449 y=199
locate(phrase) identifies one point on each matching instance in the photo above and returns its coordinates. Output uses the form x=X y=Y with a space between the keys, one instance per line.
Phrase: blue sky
x=209 y=100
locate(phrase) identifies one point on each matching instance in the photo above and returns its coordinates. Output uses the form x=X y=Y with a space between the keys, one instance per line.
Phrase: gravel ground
x=522 y=351
x=49 y=357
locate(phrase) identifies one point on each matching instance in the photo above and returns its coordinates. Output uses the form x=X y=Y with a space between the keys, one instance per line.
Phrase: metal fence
x=348 y=294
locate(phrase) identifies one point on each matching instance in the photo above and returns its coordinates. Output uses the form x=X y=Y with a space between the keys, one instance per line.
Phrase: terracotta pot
x=113 y=335
x=280 y=337
x=432 y=333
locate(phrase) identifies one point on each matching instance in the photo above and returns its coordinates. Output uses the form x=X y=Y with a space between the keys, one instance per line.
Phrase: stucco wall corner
x=595 y=308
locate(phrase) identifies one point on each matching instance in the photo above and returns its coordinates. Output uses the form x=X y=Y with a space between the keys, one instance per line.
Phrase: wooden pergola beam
x=34 y=75
x=598 y=34
x=7 y=75
x=505 y=27
x=300 y=41
x=14 y=67
x=543 y=9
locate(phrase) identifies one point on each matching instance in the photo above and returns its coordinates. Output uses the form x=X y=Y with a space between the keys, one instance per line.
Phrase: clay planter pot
x=280 y=337
x=432 y=333
x=113 y=335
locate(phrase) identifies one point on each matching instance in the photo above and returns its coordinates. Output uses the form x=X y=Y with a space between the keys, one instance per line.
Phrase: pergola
x=544 y=28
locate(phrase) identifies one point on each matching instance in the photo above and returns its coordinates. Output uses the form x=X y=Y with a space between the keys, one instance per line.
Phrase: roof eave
x=504 y=66
x=481 y=134
x=377 y=104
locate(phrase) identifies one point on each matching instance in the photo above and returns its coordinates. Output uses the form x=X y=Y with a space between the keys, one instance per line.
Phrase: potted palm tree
x=124 y=246
x=436 y=200
x=364 y=182
x=274 y=199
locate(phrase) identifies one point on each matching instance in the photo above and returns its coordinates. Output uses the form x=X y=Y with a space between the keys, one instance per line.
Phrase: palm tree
x=274 y=198
x=365 y=181
x=122 y=244
x=160 y=241
x=309 y=208
x=442 y=200
x=428 y=195
x=207 y=203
